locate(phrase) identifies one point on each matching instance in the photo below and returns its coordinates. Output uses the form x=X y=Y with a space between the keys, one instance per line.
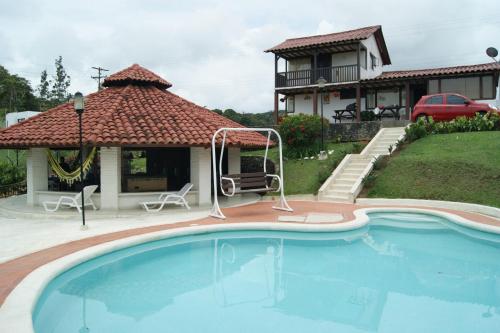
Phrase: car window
x=454 y=99
x=435 y=100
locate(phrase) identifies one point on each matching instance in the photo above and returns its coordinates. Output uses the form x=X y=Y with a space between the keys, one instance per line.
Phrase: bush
x=301 y=135
x=10 y=173
x=367 y=116
x=421 y=128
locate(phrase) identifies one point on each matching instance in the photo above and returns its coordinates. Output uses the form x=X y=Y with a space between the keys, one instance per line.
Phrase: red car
x=445 y=107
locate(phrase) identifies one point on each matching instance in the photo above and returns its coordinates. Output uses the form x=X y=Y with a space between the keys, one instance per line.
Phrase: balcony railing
x=335 y=74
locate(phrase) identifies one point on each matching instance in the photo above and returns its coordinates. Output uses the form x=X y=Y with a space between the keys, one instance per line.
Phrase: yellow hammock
x=70 y=177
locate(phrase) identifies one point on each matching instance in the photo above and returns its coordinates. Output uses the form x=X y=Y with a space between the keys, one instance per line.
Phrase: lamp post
x=79 y=108
x=321 y=84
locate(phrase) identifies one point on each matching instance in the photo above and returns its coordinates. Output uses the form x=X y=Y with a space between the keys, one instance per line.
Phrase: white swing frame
x=217 y=181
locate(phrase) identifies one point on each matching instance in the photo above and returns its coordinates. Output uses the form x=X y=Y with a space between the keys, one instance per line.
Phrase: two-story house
x=351 y=64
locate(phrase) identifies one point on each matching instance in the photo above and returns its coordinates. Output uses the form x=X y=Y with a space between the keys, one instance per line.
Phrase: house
x=12 y=118
x=148 y=141
x=352 y=63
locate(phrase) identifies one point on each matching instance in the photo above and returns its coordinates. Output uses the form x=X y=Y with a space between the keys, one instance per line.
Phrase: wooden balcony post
x=358 y=102
x=276 y=70
x=407 y=100
x=315 y=101
x=358 y=55
x=276 y=107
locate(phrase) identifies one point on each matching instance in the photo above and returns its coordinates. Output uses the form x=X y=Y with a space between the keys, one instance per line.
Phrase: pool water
x=403 y=273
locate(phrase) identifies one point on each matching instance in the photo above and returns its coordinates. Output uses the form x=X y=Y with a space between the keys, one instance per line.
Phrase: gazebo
x=147 y=140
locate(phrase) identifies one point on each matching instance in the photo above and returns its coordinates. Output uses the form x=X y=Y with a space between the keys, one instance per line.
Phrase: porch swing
x=254 y=182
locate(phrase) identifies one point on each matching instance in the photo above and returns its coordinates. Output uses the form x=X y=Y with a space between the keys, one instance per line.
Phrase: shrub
x=301 y=135
x=421 y=128
x=367 y=116
x=10 y=173
x=416 y=130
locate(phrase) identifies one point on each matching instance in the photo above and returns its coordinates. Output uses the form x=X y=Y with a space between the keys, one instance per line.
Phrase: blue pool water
x=403 y=273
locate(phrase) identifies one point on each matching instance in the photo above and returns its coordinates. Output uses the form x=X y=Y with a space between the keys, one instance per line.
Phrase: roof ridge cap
x=334 y=33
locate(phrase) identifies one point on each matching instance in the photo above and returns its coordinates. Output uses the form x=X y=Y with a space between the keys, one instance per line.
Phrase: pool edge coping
x=17 y=309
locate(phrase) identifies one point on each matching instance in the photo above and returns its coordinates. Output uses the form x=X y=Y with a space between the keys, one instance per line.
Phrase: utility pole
x=99 y=76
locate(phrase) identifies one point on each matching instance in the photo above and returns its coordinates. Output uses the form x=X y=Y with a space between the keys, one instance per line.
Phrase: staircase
x=346 y=181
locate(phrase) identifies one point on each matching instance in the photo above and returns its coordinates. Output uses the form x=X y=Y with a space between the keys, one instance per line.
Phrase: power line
x=99 y=76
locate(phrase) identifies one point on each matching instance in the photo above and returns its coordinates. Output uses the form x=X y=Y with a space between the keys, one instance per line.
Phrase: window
x=434 y=87
x=362 y=59
x=455 y=100
x=370 y=99
x=468 y=86
x=373 y=61
x=435 y=100
x=290 y=104
x=488 y=87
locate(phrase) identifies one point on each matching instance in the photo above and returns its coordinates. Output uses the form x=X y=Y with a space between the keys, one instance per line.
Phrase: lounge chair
x=169 y=198
x=73 y=201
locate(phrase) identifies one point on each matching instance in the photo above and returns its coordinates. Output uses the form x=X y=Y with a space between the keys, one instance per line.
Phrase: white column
x=234 y=161
x=111 y=171
x=201 y=173
x=37 y=176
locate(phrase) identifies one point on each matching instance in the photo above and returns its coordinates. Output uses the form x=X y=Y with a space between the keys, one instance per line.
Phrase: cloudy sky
x=212 y=51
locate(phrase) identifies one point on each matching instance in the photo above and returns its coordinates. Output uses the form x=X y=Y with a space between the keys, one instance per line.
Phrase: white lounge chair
x=169 y=198
x=74 y=201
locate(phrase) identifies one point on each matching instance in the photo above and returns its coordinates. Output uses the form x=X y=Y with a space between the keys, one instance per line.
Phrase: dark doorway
x=418 y=91
x=324 y=64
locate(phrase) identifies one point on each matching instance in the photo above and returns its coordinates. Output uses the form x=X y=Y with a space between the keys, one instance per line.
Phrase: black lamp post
x=79 y=105
x=321 y=84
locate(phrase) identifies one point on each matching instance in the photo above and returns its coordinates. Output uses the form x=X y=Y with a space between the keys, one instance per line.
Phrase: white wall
x=37 y=173
x=371 y=46
x=303 y=106
x=344 y=58
x=110 y=158
x=12 y=118
x=234 y=161
x=201 y=174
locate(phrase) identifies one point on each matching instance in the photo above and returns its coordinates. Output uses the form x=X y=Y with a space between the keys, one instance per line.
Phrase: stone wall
x=364 y=130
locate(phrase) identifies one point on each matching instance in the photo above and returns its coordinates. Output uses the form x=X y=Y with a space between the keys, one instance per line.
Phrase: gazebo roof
x=134 y=110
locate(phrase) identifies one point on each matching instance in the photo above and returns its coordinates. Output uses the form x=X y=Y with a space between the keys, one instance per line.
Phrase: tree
x=44 y=91
x=61 y=83
x=16 y=93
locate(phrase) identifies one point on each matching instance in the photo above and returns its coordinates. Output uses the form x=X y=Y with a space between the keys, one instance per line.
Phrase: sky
x=212 y=51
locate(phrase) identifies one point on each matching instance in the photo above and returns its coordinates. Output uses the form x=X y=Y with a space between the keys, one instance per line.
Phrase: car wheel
x=482 y=113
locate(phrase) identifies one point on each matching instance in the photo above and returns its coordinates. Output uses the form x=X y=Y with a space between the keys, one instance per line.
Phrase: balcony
x=335 y=74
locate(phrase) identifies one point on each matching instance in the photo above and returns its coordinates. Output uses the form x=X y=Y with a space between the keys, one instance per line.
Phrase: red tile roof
x=333 y=38
x=429 y=72
x=138 y=114
x=138 y=75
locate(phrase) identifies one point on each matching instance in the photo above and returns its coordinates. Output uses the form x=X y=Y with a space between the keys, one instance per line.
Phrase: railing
x=12 y=189
x=306 y=77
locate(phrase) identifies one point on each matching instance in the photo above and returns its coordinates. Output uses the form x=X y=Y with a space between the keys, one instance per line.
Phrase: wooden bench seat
x=256 y=182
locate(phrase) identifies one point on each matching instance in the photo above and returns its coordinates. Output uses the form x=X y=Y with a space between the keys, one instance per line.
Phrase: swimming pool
x=401 y=273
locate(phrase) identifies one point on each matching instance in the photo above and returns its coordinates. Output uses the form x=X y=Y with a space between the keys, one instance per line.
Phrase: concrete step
x=347 y=182
x=354 y=169
x=335 y=198
x=350 y=174
x=338 y=193
x=339 y=187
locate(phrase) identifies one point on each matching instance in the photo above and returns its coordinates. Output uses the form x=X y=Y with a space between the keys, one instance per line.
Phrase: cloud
x=212 y=51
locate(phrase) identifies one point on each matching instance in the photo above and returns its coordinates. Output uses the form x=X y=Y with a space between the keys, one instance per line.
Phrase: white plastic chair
x=74 y=201
x=169 y=198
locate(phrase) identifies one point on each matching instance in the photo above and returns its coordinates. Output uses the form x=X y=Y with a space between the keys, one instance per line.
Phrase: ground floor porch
x=127 y=176
x=363 y=100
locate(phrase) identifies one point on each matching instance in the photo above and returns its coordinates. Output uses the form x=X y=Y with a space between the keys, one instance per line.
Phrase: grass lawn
x=455 y=167
x=306 y=176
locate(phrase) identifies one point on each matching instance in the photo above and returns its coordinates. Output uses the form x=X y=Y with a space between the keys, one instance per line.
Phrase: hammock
x=70 y=177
